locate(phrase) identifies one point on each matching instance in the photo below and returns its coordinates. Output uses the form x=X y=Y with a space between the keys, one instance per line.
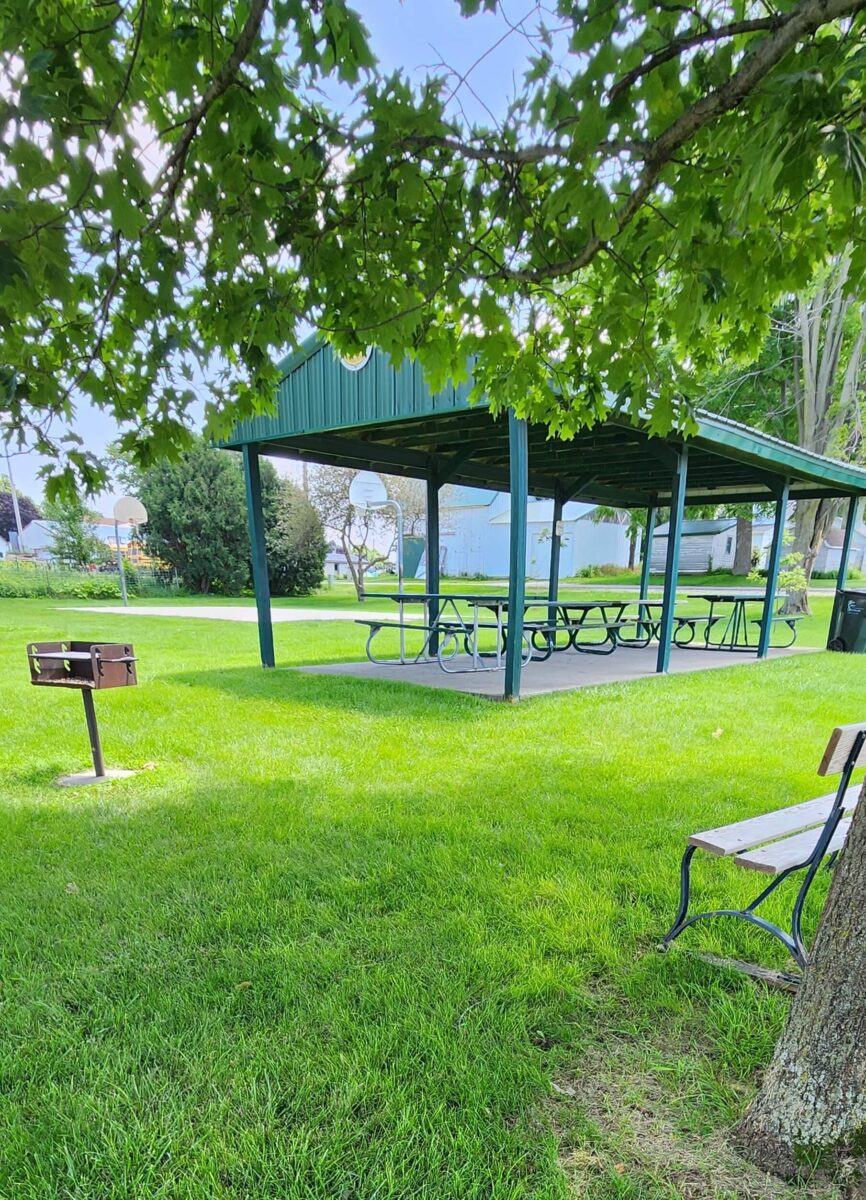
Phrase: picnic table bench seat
x=783 y=619
x=780 y=843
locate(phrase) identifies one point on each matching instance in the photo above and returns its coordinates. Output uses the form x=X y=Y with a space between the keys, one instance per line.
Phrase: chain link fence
x=26 y=578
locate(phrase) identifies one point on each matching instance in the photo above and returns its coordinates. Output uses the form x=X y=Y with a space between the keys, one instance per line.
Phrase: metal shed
x=374 y=416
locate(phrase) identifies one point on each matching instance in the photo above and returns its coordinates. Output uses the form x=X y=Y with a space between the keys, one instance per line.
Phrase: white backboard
x=130 y=511
x=366 y=489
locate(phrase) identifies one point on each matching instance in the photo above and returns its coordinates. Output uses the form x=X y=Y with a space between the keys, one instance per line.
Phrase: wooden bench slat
x=744 y=835
x=839 y=747
x=792 y=851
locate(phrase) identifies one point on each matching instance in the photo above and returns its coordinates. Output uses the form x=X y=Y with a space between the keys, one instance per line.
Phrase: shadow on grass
x=337 y=692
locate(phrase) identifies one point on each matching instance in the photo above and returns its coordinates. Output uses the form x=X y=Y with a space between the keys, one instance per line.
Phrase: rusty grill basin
x=83 y=665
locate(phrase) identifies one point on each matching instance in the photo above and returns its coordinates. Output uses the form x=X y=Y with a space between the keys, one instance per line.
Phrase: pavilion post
x=672 y=560
x=646 y=567
x=646 y=564
x=259 y=554
x=555 y=545
x=432 y=582
x=842 y=576
x=773 y=562
x=518 y=454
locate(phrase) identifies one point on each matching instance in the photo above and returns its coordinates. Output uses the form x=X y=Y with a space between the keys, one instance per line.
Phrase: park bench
x=779 y=844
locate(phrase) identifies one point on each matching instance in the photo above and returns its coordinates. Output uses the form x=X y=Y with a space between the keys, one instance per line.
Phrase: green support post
x=773 y=570
x=651 y=514
x=432 y=583
x=842 y=576
x=518 y=451
x=672 y=561
x=555 y=545
x=259 y=554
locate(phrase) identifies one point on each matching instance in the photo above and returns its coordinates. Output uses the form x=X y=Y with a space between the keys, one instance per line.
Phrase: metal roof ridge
x=704 y=414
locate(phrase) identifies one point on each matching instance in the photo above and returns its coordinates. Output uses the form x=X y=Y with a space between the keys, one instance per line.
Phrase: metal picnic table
x=735 y=634
x=448 y=626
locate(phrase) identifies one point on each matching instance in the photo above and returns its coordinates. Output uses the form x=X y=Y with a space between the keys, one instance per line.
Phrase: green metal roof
x=385 y=418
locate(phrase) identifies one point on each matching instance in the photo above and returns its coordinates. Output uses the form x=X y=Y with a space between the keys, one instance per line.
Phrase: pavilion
x=369 y=415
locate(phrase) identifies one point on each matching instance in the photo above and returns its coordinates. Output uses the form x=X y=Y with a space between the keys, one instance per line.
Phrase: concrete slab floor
x=562 y=672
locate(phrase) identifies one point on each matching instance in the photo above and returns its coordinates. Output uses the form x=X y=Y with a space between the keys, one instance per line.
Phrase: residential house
x=706 y=545
x=475 y=532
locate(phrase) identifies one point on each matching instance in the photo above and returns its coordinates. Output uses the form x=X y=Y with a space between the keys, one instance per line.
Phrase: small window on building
x=728 y=544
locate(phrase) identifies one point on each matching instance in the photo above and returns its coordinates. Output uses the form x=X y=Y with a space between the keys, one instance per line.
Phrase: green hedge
x=24 y=582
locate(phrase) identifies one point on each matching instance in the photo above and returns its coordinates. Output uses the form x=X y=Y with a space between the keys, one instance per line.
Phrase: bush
x=853 y=573
x=600 y=570
x=28 y=582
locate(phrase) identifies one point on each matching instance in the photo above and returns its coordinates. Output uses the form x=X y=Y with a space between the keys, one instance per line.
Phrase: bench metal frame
x=793 y=940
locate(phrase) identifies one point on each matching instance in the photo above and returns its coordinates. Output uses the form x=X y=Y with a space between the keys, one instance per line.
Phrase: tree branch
x=172 y=173
x=686 y=42
x=805 y=18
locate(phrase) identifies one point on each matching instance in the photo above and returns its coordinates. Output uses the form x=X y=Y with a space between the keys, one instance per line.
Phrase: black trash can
x=849 y=623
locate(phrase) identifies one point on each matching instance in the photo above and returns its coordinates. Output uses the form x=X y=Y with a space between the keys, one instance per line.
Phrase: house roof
x=702 y=528
x=386 y=418
x=467 y=497
x=540 y=512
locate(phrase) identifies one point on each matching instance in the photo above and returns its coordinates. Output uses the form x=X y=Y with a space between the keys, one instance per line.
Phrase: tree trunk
x=357 y=575
x=811 y=521
x=743 y=547
x=632 y=547
x=812 y=1105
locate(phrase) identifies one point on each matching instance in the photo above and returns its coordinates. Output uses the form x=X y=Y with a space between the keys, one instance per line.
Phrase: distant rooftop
x=700 y=528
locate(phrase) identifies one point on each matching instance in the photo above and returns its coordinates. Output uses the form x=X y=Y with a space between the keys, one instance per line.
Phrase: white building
x=706 y=545
x=710 y=545
x=475 y=532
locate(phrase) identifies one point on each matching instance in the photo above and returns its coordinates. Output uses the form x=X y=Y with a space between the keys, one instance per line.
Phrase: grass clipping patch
x=624 y=1132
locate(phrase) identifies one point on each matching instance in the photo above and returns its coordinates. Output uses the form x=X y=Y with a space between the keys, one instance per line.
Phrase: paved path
x=239 y=612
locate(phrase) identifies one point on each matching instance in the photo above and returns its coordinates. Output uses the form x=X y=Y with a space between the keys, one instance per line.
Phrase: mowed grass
x=343 y=939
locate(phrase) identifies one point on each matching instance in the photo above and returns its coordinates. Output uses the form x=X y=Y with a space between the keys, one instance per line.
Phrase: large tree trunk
x=811 y=522
x=812 y=1105
x=743 y=547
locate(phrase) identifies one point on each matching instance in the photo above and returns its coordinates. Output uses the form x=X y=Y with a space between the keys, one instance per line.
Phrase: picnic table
x=735 y=628
x=449 y=626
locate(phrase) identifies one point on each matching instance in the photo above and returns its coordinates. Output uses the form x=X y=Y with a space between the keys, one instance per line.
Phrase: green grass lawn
x=356 y=941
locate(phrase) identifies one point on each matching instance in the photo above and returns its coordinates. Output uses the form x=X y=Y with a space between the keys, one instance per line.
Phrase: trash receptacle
x=849 y=623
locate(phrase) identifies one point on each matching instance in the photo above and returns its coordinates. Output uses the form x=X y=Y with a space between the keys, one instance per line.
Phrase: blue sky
x=419 y=36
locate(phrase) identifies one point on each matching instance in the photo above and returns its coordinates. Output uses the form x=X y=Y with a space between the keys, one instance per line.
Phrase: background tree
x=296 y=544
x=599 y=239
x=354 y=528
x=74 y=541
x=806 y=386
x=27 y=508
x=196 y=510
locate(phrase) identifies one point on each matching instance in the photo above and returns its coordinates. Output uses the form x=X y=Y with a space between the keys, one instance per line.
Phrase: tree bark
x=743 y=547
x=812 y=520
x=811 y=1109
x=632 y=547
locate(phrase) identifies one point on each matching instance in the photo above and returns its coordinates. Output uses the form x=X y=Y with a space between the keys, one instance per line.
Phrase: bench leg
x=685 y=895
x=791 y=941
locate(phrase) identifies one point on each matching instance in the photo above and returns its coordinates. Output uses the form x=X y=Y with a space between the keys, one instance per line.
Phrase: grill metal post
x=93 y=732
